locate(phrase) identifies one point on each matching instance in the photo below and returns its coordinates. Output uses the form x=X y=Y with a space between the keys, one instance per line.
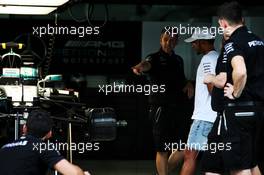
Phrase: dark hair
x=230 y=11
x=168 y=30
x=39 y=123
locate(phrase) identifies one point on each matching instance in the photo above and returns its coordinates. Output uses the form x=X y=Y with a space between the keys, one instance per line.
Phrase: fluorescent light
x=24 y=10
x=33 y=2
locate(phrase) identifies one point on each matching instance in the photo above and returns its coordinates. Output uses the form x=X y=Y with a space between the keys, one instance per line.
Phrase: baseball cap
x=198 y=35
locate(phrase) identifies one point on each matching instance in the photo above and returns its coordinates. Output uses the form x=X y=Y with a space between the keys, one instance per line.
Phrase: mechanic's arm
x=143 y=66
x=239 y=75
x=66 y=168
x=189 y=89
x=218 y=81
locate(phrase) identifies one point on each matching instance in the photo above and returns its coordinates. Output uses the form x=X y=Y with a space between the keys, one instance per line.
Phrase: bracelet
x=234 y=96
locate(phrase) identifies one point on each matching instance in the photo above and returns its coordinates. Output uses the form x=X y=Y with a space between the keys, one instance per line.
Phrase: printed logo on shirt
x=224 y=58
x=229 y=47
x=255 y=43
x=207 y=67
x=21 y=143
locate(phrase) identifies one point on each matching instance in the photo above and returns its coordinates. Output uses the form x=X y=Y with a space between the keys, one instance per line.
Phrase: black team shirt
x=23 y=157
x=166 y=70
x=244 y=43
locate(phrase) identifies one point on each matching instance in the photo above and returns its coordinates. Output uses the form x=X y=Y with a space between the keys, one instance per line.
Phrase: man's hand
x=189 y=89
x=86 y=173
x=228 y=91
x=66 y=168
x=137 y=70
x=209 y=78
x=143 y=66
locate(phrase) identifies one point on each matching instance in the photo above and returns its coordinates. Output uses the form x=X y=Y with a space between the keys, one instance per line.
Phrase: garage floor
x=122 y=167
x=125 y=167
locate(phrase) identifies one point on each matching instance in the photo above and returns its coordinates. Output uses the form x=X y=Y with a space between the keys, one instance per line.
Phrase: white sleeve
x=209 y=65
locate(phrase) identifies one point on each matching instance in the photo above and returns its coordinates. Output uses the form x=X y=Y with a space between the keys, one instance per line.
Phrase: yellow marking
x=4 y=45
x=20 y=46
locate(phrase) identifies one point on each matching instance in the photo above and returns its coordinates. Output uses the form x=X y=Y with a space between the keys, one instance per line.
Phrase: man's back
x=24 y=157
x=243 y=42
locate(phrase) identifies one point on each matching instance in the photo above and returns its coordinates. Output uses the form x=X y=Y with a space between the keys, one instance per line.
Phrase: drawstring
x=158 y=114
x=222 y=116
x=219 y=125
x=225 y=120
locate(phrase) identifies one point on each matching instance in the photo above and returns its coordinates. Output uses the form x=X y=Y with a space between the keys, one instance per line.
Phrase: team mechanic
x=242 y=65
x=167 y=109
x=22 y=157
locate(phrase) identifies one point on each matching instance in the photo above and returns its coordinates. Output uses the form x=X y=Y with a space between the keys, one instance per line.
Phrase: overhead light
x=26 y=10
x=33 y=2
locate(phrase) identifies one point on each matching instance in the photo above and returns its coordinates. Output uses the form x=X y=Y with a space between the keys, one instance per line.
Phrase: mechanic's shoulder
x=178 y=58
x=152 y=56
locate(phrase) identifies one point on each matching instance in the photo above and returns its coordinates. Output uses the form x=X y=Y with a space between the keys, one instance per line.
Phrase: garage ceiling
x=144 y=10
